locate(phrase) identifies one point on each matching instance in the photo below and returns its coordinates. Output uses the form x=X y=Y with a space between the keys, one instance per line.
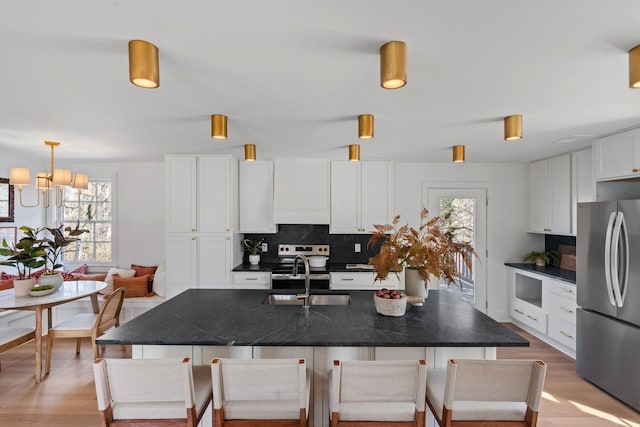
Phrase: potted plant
x=54 y=248
x=429 y=251
x=542 y=258
x=27 y=254
x=254 y=247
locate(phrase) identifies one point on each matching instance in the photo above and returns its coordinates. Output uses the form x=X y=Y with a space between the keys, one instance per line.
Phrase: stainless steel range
x=283 y=275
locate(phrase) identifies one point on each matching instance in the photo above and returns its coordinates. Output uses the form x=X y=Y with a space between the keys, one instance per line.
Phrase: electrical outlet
x=357 y=248
x=264 y=247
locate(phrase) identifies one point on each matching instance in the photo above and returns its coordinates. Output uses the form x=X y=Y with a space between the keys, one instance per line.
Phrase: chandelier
x=56 y=180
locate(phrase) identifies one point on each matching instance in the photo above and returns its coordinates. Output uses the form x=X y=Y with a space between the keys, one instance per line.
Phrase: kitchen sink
x=292 y=299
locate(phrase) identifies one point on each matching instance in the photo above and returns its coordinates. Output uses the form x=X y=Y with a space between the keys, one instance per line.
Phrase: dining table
x=69 y=291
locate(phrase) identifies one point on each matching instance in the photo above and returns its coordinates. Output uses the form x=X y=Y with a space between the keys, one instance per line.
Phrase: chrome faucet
x=307 y=278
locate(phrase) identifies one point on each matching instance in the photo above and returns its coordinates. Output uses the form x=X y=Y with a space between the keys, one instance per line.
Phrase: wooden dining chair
x=486 y=392
x=11 y=337
x=259 y=392
x=151 y=392
x=370 y=393
x=89 y=325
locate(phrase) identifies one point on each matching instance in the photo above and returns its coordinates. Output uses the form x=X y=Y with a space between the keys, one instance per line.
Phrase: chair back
x=259 y=380
x=109 y=314
x=144 y=388
x=495 y=380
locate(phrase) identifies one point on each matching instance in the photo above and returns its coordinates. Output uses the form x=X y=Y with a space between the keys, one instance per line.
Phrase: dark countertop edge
x=267 y=267
x=553 y=272
x=102 y=340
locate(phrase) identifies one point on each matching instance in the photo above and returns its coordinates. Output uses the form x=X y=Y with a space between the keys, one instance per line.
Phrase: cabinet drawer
x=565 y=290
x=561 y=307
x=255 y=280
x=530 y=315
x=562 y=331
x=362 y=280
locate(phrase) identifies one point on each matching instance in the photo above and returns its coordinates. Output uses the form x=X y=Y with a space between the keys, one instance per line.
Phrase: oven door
x=288 y=281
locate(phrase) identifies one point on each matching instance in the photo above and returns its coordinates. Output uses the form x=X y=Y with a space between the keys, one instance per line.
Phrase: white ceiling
x=293 y=75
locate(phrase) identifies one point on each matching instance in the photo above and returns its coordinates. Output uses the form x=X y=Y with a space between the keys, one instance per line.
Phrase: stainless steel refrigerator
x=608 y=280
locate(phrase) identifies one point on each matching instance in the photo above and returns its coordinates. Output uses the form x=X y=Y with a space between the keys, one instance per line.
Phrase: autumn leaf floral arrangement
x=432 y=249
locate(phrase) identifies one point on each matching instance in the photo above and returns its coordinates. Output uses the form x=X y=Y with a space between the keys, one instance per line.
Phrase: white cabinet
x=617 y=156
x=550 y=195
x=199 y=224
x=361 y=195
x=545 y=307
x=362 y=281
x=582 y=183
x=255 y=197
x=251 y=280
x=301 y=191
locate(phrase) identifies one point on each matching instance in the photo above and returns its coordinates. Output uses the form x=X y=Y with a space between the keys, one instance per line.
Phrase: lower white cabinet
x=362 y=280
x=251 y=280
x=545 y=307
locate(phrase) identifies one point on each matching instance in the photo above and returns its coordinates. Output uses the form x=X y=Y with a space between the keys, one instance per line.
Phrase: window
x=89 y=210
x=6 y=200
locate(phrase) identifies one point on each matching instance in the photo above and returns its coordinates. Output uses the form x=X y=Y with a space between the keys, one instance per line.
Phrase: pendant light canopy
x=634 y=68
x=354 y=152
x=144 y=70
x=218 y=126
x=458 y=153
x=365 y=126
x=393 y=65
x=513 y=128
x=250 y=152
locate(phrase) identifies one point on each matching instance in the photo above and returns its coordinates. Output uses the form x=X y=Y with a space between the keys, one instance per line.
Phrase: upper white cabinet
x=255 y=198
x=582 y=188
x=198 y=195
x=550 y=195
x=301 y=191
x=361 y=195
x=617 y=156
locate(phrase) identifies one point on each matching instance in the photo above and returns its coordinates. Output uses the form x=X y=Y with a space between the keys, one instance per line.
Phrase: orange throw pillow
x=6 y=284
x=142 y=270
x=133 y=286
x=96 y=276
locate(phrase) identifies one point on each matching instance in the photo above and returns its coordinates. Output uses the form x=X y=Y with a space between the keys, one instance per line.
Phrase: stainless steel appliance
x=283 y=275
x=608 y=280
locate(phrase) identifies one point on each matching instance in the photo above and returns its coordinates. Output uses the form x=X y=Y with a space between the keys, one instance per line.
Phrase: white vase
x=51 y=279
x=414 y=285
x=254 y=259
x=22 y=287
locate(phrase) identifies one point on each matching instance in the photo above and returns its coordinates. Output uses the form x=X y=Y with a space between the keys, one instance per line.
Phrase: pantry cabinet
x=361 y=196
x=550 y=195
x=617 y=156
x=255 y=197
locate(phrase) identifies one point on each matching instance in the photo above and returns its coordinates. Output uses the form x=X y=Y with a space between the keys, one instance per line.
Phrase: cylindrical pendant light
x=458 y=153
x=393 y=65
x=512 y=128
x=634 y=68
x=354 y=153
x=218 y=126
x=250 y=152
x=144 y=70
x=365 y=126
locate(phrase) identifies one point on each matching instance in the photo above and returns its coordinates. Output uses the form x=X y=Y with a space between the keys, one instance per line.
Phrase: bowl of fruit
x=390 y=302
x=42 y=290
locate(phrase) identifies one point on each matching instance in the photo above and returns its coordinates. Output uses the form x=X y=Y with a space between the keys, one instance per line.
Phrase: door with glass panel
x=467 y=210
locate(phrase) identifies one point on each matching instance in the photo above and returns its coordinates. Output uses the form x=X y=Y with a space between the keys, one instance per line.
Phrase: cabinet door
x=345 y=197
x=180 y=182
x=582 y=183
x=301 y=191
x=539 y=196
x=255 y=203
x=560 y=194
x=616 y=156
x=214 y=260
x=376 y=194
x=181 y=262
x=214 y=194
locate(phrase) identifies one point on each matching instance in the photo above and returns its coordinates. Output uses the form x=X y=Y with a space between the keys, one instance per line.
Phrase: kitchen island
x=207 y=323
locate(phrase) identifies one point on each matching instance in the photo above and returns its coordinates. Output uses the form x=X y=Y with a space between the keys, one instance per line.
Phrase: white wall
x=507 y=213
x=32 y=217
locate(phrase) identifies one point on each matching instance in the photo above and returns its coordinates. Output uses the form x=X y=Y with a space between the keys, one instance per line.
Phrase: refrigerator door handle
x=607 y=258
x=615 y=265
x=625 y=248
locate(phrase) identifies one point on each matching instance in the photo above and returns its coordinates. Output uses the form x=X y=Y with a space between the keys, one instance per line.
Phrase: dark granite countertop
x=238 y=317
x=268 y=267
x=554 y=272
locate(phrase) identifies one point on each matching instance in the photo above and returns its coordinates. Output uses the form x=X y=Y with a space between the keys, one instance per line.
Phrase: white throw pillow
x=160 y=281
x=109 y=279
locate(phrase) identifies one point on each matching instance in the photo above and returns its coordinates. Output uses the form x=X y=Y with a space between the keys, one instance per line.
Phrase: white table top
x=70 y=290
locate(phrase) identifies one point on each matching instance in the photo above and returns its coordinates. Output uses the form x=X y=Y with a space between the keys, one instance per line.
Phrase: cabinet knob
x=532 y=318
x=347 y=279
x=634 y=170
x=568 y=310
x=193 y=229
x=566 y=334
x=227 y=229
x=547 y=229
x=193 y=238
x=518 y=311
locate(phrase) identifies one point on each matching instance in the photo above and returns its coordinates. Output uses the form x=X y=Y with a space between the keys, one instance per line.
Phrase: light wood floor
x=67 y=396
